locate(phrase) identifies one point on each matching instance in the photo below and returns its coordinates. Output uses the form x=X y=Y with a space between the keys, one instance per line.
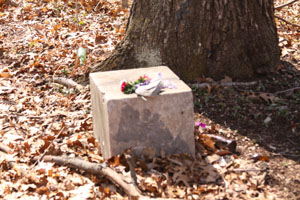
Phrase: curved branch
x=99 y=169
x=94 y=168
x=286 y=4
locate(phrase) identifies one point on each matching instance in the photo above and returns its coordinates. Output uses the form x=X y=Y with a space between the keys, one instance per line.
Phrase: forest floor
x=38 y=116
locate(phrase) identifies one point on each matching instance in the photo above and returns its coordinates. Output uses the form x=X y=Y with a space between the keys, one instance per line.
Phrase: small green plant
x=222 y=105
x=81 y=23
x=296 y=96
x=236 y=110
x=261 y=86
x=256 y=115
x=282 y=113
x=285 y=164
x=65 y=71
x=31 y=44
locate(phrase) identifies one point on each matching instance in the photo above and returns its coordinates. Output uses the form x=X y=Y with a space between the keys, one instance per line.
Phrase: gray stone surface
x=163 y=123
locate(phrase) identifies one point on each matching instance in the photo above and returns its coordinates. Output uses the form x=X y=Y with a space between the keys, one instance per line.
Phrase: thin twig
x=296 y=25
x=46 y=150
x=288 y=92
x=95 y=9
x=201 y=85
x=30 y=116
x=130 y=161
x=244 y=170
x=286 y=4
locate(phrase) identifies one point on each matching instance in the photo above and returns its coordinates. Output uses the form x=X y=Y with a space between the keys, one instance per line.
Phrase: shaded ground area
x=263 y=122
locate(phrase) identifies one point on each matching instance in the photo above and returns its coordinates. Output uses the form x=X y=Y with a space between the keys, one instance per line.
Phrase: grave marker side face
x=162 y=123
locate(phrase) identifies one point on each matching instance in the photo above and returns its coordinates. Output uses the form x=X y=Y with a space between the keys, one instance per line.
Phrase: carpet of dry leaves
x=39 y=41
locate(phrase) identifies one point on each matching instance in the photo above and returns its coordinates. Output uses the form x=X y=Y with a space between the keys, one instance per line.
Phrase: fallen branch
x=240 y=170
x=286 y=4
x=94 y=168
x=287 y=92
x=296 y=25
x=30 y=116
x=67 y=82
x=229 y=84
x=97 y=169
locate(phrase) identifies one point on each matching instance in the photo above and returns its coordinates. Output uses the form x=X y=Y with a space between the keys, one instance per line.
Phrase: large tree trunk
x=199 y=37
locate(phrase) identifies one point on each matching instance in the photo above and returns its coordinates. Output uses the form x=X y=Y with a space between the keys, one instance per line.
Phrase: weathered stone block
x=163 y=123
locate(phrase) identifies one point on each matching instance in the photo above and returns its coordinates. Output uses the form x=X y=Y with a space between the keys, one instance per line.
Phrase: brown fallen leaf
x=259 y=157
x=5 y=74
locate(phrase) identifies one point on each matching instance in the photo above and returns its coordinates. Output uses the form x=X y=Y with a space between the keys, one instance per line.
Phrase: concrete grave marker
x=163 y=123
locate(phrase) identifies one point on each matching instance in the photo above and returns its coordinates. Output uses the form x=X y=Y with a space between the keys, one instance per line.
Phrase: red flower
x=147 y=78
x=123 y=85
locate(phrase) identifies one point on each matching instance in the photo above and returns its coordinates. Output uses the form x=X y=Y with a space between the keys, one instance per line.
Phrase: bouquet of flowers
x=131 y=86
x=145 y=86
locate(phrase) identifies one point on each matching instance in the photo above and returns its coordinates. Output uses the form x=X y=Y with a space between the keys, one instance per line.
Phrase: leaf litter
x=39 y=40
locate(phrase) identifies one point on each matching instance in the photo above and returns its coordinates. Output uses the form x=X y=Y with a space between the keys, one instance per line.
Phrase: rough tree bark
x=199 y=37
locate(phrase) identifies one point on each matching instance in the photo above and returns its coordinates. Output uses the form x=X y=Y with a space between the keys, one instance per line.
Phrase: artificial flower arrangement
x=131 y=86
x=145 y=86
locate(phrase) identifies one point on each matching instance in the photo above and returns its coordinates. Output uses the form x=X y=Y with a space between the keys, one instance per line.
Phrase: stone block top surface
x=109 y=82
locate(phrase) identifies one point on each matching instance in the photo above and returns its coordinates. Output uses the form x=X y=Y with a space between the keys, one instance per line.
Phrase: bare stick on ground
x=296 y=25
x=288 y=92
x=46 y=150
x=97 y=169
x=286 y=4
x=4 y=148
x=130 y=160
x=67 y=82
x=93 y=168
x=229 y=84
